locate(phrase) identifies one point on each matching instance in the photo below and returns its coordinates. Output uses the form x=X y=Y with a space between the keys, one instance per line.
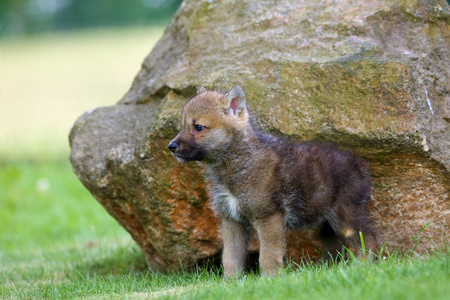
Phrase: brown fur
x=263 y=182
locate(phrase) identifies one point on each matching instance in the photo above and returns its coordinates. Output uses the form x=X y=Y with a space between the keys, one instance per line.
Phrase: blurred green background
x=24 y=17
x=59 y=58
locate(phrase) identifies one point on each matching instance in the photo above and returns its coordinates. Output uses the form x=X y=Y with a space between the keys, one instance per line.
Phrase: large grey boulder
x=371 y=76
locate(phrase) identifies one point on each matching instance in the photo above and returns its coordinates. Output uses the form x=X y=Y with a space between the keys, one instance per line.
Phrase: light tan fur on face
x=211 y=110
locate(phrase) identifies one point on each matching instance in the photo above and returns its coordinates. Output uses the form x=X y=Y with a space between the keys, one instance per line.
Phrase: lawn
x=56 y=241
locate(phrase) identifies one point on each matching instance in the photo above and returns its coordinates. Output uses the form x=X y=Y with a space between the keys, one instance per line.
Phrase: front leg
x=272 y=245
x=235 y=241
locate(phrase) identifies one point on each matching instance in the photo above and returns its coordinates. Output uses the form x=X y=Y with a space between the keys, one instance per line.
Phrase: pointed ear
x=234 y=100
x=201 y=90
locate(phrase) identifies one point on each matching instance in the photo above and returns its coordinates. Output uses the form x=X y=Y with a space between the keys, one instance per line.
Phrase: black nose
x=172 y=146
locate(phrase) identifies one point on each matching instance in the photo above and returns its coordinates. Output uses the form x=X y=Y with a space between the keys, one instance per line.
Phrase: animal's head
x=210 y=121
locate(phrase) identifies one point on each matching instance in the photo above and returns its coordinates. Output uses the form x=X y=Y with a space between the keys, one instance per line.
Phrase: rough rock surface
x=371 y=76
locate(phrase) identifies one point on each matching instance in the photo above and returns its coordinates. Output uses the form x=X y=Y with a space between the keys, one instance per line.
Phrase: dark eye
x=199 y=127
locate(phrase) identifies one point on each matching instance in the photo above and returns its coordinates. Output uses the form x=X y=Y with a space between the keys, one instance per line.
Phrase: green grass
x=112 y=271
x=43 y=203
x=57 y=242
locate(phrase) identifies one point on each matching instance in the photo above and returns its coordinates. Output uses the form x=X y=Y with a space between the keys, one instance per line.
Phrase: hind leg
x=349 y=221
x=365 y=241
x=332 y=243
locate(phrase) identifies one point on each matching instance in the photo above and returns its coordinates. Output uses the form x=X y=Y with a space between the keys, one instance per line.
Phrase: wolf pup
x=263 y=182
